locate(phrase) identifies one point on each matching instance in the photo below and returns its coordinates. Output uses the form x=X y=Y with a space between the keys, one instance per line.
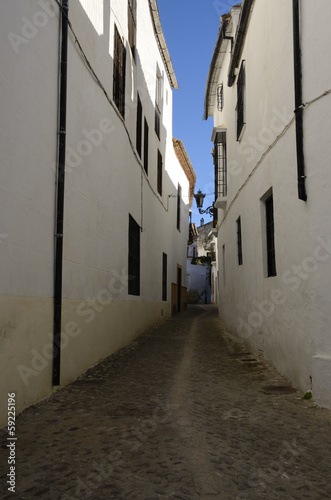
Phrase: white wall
x=197 y=286
x=105 y=182
x=29 y=53
x=286 y=317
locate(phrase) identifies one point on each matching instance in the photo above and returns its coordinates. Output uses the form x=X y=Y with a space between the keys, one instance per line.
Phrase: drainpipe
x=298 y=101
x=60 y=192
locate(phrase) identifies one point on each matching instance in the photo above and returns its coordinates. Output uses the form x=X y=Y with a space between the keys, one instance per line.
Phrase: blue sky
x=190 y=28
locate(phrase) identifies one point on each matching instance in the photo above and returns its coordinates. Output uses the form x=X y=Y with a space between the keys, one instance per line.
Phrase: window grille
x=132 y=23
x=158 y=101
x=241 y=99
x=146 y=130
x=119 y=73
x=270 y=228
x=134 y=257
x=159 y=173
x=220 y=97
x=164 y=276
x=239 y=242
x=139 y=126
x=157 y=122
x=220 y=163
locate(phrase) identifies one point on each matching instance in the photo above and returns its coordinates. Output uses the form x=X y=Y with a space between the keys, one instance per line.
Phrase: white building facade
x=126 y=196
x=268 y=93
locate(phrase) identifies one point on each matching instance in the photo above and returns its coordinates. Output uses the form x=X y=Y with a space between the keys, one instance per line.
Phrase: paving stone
x=179 y=415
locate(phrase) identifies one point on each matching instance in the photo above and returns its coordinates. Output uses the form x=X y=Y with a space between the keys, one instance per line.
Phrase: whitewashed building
x=268 y=91
x=201 y=264
x=126 y=197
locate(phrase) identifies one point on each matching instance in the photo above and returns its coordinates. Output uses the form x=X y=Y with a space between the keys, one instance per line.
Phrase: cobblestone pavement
x=181 y=413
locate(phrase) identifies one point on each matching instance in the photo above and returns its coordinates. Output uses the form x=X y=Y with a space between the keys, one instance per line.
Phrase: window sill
x=221 y=202
x=241 y=132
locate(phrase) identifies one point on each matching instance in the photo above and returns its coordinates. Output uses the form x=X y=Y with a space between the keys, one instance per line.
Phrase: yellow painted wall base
x=91 y=331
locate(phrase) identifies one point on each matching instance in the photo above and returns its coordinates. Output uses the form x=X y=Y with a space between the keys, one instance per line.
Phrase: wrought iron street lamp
x=199 y=200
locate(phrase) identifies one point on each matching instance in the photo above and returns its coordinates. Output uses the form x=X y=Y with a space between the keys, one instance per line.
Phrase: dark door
x=179 y=288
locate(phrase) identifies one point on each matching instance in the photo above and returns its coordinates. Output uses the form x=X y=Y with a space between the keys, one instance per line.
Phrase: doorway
x=179 y=288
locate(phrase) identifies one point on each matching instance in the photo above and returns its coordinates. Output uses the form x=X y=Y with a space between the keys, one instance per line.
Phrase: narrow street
x=181 y=413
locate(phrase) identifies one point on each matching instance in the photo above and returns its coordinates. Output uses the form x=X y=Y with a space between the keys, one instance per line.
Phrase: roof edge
x=162 y=43
x=246 y=9
x=186 y=165
x=212 y=66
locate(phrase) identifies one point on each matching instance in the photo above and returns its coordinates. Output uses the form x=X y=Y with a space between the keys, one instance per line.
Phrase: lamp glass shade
x=199 y=198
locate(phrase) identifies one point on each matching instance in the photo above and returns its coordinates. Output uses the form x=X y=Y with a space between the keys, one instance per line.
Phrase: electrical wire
x=303 y=106
x=110 y=101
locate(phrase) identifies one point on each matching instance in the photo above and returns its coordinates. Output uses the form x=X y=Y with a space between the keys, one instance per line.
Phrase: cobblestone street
x=181 y=413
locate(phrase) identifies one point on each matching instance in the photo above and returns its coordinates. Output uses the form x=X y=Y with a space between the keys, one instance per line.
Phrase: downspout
x=62 y=118
x=298 y=101
x=246 y=8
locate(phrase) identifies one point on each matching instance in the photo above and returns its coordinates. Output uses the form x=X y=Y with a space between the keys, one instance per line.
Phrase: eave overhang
x=214 y=69
x=246 y=9
x=162 y=43
x=186 y=165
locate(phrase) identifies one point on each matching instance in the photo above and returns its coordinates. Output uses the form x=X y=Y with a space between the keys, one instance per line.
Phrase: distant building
x=268 y=90
x=126 y=195
x=201 y=264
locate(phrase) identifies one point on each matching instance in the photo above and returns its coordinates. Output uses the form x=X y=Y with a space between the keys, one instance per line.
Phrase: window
x=157 y=123
x=158 y=102
x=223 y=263
x=220 y=97
x=239 y=242
x=164 y=276
x=132 y=23
x=270 y=232
x=179 y=195
x=119 y=73
x=220 y=163
x=158 y=91
x=134 y=257
x=159 y=172
x=139 y=126
x=146 y=146
x=241 y=99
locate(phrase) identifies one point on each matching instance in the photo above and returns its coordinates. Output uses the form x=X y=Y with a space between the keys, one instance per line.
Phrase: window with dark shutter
x=119 y=73
x=164 y=276
x=132 y=23
x=220 y=97
x=159 y=173
x=270 y=231
x=220 y=163
x=241 y=99
x=139 y=126
x=134 y=257
x=158 y=102
x=239 y=242
x=157 y=122
x=146 y=146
